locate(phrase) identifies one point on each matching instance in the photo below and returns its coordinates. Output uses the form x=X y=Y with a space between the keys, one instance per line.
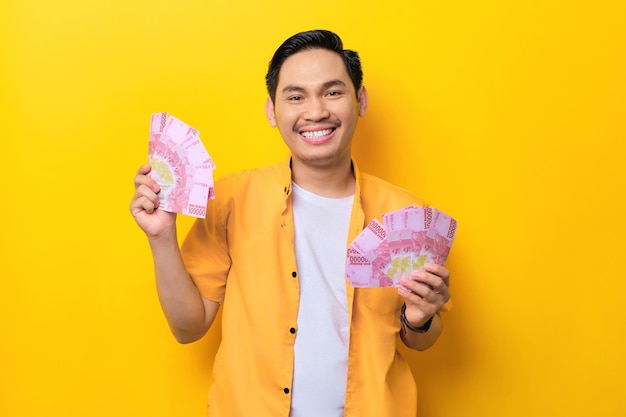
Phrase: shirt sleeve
x=205 y=252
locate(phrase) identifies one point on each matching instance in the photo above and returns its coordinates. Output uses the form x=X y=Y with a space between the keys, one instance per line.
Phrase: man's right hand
x=145 y=203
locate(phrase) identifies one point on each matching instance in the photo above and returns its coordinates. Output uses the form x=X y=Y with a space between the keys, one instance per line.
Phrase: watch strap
x=405 y=323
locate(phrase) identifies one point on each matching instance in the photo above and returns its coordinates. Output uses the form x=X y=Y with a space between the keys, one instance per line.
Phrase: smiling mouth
x=316 y=134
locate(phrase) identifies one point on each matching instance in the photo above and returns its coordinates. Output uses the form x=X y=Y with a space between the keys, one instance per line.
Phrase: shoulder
x=267 y=172
x=382 y=196
x=270 y=174
x=262 y=182
x=372 y=184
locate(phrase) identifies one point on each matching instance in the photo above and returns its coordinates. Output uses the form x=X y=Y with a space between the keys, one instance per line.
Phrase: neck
x=334 y=181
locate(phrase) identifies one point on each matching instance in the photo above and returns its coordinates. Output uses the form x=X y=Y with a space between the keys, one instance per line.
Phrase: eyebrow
x=325 y=86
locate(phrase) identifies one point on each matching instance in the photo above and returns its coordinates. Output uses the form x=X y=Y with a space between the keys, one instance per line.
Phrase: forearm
x=422 y=341
x=187 y=313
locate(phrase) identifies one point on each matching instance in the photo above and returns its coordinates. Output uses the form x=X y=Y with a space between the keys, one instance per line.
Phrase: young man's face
x=316 y=108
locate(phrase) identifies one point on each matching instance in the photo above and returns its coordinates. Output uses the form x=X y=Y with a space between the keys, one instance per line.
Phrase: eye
x=295 y=98
x=335 y=94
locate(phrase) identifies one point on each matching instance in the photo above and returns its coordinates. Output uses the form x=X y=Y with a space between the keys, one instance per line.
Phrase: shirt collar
x=284 y=172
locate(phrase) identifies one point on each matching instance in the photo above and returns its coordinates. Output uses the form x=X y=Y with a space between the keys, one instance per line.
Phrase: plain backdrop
x=509 y=116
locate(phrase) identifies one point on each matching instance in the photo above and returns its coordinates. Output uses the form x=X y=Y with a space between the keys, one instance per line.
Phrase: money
x=400 y=244
x=181 y=166
x=368 y=257
x=407 y=239
x=439 y=237
x=362 y=273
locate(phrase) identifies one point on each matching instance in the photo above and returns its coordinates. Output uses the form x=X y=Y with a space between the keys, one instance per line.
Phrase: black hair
x=314 y=39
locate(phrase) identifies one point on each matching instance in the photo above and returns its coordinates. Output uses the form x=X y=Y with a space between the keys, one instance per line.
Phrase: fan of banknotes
x=181 y=166
x=410 y=237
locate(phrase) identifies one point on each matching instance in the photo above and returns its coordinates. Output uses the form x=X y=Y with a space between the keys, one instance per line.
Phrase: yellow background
x=507 y=115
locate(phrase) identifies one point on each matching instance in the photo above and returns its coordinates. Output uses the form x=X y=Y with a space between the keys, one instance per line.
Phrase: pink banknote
x=371 y=245
x=362 y=274
x=410 y=237
x=399 y=243
x=370 y=239
x=181 y=165
x=439 y=237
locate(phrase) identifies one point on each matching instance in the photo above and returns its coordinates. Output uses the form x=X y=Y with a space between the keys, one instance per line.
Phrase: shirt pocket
x=380 y=301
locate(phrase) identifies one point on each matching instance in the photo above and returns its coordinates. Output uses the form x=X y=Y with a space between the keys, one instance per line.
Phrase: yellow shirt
x=246 y=244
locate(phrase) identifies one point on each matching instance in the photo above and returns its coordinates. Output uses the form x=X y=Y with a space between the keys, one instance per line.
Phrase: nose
x=316 y=110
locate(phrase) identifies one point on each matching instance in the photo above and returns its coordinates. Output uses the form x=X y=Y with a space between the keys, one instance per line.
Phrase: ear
x=269 y=112
x=362 y=98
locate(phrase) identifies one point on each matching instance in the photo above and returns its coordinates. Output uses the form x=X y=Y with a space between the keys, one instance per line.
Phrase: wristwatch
x=405 y=323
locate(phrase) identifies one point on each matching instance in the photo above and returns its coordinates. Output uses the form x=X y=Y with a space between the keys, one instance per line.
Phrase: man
x=296 y=340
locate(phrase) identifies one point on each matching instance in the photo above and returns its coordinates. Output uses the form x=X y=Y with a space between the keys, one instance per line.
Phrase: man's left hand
x=425 y=293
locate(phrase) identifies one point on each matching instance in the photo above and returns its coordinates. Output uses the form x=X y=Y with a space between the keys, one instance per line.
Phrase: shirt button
x=292 y=330
x=294 y=274
x=286 y=390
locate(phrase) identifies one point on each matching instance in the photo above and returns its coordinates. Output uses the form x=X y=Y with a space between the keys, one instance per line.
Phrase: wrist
x=416 y=329
x=164 y=243
x=165 y=236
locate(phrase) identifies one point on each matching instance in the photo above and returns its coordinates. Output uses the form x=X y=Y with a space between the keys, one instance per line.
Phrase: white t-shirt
x=323 y=333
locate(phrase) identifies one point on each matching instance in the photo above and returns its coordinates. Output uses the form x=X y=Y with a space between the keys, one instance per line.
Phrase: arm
x=188 y=314
x=424 y=294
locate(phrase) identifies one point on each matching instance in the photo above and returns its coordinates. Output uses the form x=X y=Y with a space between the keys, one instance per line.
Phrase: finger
x=142 y=179
x=411 y=297
x=144 y=169
x=419 y=286
x=428 y=279
x=146 y=190
x=431 y=288
x=438 y=270
x=144 y=204
x=145 y=199
x=417 y=307
x=437 y=276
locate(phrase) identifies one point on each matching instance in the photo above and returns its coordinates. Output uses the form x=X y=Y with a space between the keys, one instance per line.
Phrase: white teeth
x=317 y=133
